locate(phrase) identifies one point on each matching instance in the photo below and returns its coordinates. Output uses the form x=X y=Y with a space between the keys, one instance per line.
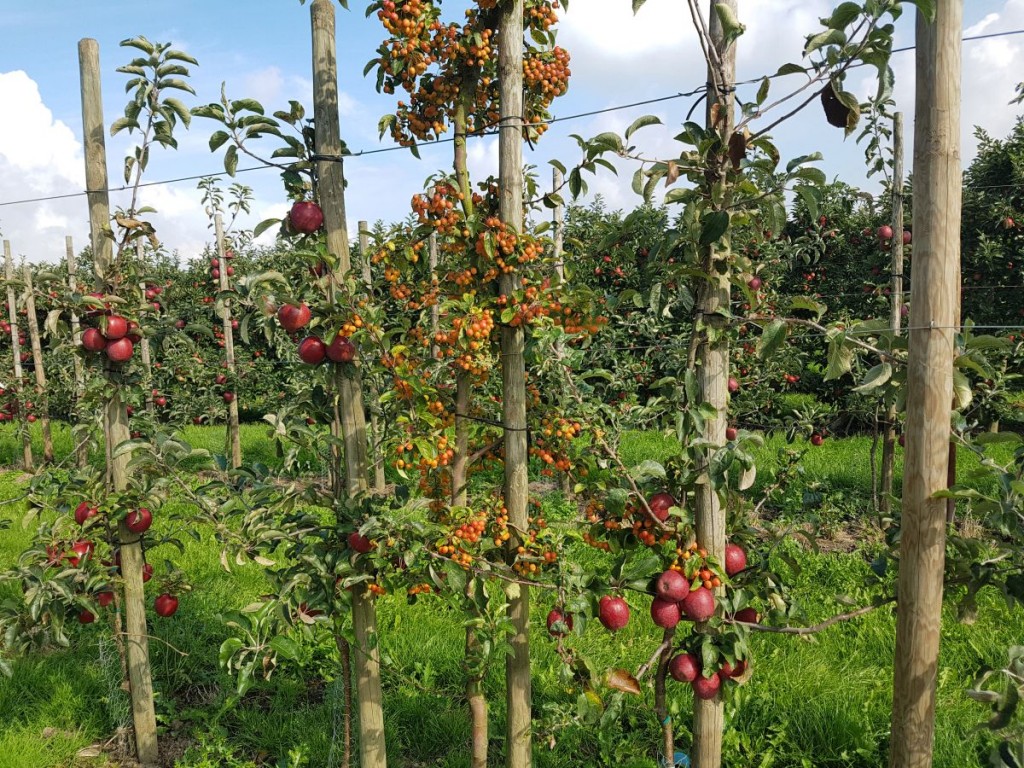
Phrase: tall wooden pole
x=19 y=374
x=234 y=440
x=42 y=404
x=116 y=416
x=81 y=446
x=713 y=372
x=377 y=457
x=937 y=204
x=895 y=305
x=518 y=738
x=349 y=388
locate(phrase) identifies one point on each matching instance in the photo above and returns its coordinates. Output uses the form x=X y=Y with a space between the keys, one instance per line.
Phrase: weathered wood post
x=116 y=416
x=42 y=404
x=932 y=336
x=234 y=440
x=19 y=373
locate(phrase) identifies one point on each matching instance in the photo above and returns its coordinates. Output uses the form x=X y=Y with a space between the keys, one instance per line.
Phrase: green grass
x=821 y=702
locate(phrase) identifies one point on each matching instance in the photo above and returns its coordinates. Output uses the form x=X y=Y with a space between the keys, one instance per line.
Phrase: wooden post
x=42 y=404
x=937 y=205
x=19 y=374
x=116 y=415
x=349 y=388
x=379 y=481
x=234 y=440
x=518 y=736
x=895 y=305
x=81 y=446
x=713 y=372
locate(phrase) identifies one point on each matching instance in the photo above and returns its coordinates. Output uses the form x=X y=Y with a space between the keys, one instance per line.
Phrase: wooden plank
x=932 y=338
x=116 y=428
x=42 y=403
x=19 y=372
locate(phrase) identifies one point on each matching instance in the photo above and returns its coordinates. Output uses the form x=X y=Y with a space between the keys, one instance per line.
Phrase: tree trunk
x=81 y=446
x=234 y=438
x=42 y=405
x=19 y=375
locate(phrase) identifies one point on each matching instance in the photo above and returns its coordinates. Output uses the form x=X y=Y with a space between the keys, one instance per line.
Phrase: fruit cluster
x=113 y=335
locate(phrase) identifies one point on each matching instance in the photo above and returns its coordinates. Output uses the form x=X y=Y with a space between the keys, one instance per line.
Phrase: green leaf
x=637 y=5
x=263 y=226
x=731 y=26
x=231 y=160
x=822 y=39
x=875 y=378
x=642 y=122
x=790 y=69
x=121 y=123
x=926 y=7
x=285 y=646
x=712 y=226
x=774 y=334
x=762 y=91
x=843 y=15
x=840 y=358
x=217 y=140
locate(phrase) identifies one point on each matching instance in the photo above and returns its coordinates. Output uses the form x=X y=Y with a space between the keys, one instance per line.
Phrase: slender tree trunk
x=116 y=415
x=345 y=652
x=42 y=404
x=668 y=743
x=19 y=375
x=713 y=377
x=376 y=455
x=234 y=438
x=895 y=306
x=349 y=396
x=81 y=446
x=937 y=204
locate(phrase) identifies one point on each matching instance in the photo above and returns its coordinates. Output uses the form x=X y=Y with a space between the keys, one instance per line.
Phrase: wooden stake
x=19 y=374
x=895 y=304
x=518 y=737
x=379 y=482
x=234 y=439
x=349 y=388
x=713 y=374
x=937 y=205
x=115 y=413
x=42 y=404
x=81 y=446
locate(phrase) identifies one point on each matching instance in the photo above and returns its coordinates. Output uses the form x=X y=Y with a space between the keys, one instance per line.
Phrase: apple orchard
x=518 y=478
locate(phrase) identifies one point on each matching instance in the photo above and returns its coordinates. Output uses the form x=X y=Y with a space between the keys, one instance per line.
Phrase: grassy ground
x=822 y=702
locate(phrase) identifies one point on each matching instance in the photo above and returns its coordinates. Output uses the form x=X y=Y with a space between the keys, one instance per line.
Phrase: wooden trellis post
x=932 y=339
x=42 y=404
x=19 y=373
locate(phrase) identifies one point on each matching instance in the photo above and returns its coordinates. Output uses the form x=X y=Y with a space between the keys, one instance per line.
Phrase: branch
x=815 y=628
x=646 y=666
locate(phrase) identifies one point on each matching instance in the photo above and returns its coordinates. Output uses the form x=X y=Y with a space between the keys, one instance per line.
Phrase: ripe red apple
x=730 y=433
x=220 y=379
x=672 y=585
x=1009 y=223
x=699 y=605
x=747 y=615
x=120 y=350
x=31 y=418
x=903 y=441
x=734 y=386
x=613 y=612
x=139 y=520
x=114 y=327
x=735 y=559
x=706 y=687
x=306 y=217
x=728 y=670
x=665 y=613
x=147 y=572
x=867 y=232
x=359 y=543
x=684 y=668
x=179 y=324
x=660 y=504
x=885 y=232
x=93 y=340
x=84 y=511
x=105 y=598
x=754 y=283
x=229 y=397
x=166 y=605
x=907 y=237
x=86 y=617
x=341 y=350
x=554 y=617
x=292 y=317
x=817 y=439
x=160 y=401
x=312 y=350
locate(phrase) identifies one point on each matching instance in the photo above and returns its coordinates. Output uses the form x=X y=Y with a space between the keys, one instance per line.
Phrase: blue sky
x=261 y=49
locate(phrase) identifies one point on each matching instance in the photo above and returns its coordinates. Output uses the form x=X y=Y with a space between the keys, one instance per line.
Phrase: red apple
x=359 y=543
x=86 y=617
x=84 y=511
x=1009 y=223
x=747 y=616
x=730 y=433
x=665 y=613
x=817 y=439
x=160 y=401
x=312 y=350
x=706 y=687
x=105 y=598
x=728 y=670
x=885 y=232
x=220 y=379
x=684 y=668
x=735 y=559
x=292 y=317
x=179 y=324
x=754 y=283
x=93 y=340
x=907 y=237
x=139 y=520
x=699 y=605
x=229 y=397
x=555 y=616
x=613 y=612
x=341 y=350
x=120 y=350
x=166 y=605
x=672 y=585
x=734 y=385
x=147 y=572
x=660 y=504
x=114 y=327
x=306 y=217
